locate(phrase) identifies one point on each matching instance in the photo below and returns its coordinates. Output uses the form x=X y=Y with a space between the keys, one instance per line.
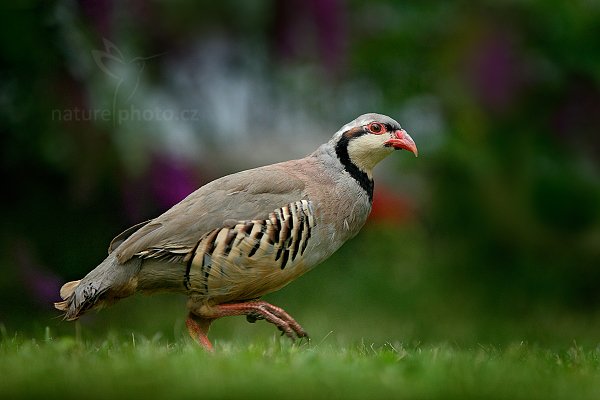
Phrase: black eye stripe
x=355 y=132
x=364 y=130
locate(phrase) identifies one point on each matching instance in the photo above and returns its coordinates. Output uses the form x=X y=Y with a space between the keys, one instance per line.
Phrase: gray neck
x=336 y=154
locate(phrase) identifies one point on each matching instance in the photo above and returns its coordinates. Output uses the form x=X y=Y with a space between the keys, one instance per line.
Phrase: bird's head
x=370 y=138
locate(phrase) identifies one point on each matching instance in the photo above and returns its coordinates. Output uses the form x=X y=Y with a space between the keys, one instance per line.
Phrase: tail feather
x=105 y=284
x=66 y=291
x=68 y=288
x=61 y=305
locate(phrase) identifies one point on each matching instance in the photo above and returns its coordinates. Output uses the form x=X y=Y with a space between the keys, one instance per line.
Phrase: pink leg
x=198 y=330
x=260 y=310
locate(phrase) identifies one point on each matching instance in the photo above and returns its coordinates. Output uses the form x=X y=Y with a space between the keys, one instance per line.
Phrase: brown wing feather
x=246 y=195
x=121 y=237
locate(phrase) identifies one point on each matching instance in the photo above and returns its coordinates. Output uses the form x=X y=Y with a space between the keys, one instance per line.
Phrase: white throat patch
x=366 y=151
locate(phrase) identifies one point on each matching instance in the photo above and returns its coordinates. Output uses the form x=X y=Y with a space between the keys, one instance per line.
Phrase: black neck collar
x=341 y=150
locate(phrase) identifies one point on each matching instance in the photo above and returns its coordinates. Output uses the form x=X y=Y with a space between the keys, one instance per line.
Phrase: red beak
x=402 y=140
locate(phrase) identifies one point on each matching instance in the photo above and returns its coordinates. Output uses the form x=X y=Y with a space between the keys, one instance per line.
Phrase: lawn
x=130 y=366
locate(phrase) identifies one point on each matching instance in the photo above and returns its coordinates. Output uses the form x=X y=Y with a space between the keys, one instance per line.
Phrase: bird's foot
x=257 y=310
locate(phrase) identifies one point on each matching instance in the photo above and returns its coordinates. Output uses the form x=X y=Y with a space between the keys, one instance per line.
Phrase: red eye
x=376 y=128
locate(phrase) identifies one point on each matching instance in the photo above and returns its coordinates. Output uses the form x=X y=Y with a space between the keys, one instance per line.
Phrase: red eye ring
x=376 y=128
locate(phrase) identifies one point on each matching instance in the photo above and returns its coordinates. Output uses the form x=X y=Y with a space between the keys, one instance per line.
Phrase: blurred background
x=111 y=112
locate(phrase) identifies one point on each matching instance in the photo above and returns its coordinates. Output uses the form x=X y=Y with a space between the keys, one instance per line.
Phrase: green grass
x=136 y=367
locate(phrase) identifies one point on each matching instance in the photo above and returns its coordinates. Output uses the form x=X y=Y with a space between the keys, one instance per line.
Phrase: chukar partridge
x=247 y=234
